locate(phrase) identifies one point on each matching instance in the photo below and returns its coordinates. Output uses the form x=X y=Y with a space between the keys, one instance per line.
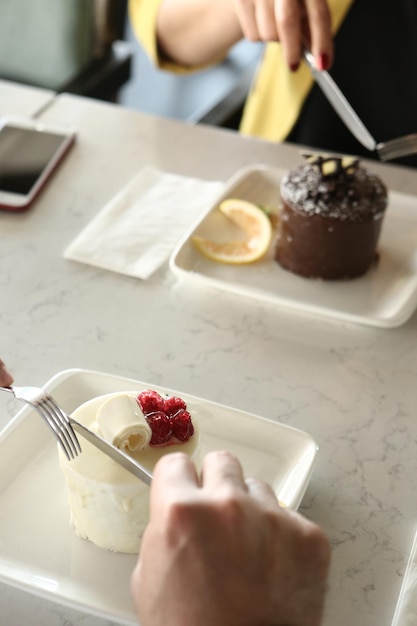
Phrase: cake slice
x=331 y=218
x=108 y=505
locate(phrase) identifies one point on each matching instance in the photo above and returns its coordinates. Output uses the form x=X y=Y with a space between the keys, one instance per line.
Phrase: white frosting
x=108 y=505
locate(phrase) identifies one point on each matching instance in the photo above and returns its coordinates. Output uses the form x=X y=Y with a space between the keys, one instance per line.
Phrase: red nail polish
x=294 y=66
x=323 y=61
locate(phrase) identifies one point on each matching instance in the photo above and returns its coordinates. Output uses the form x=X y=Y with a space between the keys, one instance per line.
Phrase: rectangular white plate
x=386 y=296
x=406 y=609
x=40 y=553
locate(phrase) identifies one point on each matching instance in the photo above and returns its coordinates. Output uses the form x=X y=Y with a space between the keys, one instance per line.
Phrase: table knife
x=340 y=104
x=114 y=453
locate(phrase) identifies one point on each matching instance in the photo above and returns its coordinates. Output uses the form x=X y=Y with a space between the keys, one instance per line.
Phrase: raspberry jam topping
x=168 y=418
x=182 y=425
x=161 y=428
x=173 y=405
x=150 y=402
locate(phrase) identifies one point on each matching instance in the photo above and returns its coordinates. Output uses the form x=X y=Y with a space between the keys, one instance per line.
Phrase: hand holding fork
x=63 y=426
x=47 y=408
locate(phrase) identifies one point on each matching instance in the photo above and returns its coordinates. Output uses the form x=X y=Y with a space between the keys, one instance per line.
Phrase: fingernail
x=294 y=66
x=323 y=61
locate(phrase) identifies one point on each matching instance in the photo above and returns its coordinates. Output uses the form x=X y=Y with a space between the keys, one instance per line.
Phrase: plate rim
x=63 y=595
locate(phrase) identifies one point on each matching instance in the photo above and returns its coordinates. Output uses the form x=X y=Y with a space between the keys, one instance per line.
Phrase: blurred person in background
x=369 y=46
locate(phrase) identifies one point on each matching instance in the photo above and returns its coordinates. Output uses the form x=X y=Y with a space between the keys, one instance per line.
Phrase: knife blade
x=340 y=104
x=114 y=453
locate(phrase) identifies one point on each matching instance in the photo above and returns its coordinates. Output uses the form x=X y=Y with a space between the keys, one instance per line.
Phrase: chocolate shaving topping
x=332 y=166
x=335 y=187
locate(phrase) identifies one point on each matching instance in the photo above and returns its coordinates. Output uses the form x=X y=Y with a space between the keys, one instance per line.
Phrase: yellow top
x=277 y=94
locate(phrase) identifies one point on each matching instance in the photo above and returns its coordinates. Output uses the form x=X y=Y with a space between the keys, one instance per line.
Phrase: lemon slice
x=252 y=221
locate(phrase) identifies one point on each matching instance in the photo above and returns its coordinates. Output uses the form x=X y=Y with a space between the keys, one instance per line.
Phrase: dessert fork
x=62 y=426
x=394 y=148
x=52 y=414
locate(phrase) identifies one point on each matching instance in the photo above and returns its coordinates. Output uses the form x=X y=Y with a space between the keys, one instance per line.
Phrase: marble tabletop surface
x=16 y=99
x=351 y=387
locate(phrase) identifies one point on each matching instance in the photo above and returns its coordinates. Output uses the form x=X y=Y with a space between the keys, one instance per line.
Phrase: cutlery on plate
x=392 y=149
x=114 y=453
x=63 y=427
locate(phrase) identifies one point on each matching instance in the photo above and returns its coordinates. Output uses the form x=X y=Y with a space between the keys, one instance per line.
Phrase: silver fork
x=52 y=414
x=63 y=426
x=395 y=148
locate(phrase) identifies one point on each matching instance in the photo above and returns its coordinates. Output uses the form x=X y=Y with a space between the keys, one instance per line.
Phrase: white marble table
x=353 y=388
x=16 y=99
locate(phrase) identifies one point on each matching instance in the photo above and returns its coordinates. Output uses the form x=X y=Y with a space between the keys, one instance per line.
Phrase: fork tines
x=52 y=414
x=60 y=424
x=395 y=148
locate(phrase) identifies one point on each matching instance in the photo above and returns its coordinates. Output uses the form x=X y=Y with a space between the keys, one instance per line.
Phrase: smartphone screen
x=24 y=154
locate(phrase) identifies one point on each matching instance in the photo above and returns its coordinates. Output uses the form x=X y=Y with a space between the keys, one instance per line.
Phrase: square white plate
x=406 y=609
x=386 y=296
x=41 y=554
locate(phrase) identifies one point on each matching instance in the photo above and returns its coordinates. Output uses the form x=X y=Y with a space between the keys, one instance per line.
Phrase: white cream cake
x=109 y=505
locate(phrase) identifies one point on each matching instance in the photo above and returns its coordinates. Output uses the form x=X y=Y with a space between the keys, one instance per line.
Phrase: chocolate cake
x=331 y=218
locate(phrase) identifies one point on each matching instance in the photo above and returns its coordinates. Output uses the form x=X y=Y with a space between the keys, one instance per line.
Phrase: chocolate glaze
x=330 y=225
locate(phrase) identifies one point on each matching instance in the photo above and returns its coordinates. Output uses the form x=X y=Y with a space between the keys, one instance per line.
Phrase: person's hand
x=220 y=550
x=295 y=23
x=198 y=32
x=6 y=379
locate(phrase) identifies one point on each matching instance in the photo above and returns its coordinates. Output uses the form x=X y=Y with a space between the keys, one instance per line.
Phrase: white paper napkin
x=136 y=231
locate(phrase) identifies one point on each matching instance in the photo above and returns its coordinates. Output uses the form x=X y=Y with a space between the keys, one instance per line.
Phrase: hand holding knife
x=391 y=149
